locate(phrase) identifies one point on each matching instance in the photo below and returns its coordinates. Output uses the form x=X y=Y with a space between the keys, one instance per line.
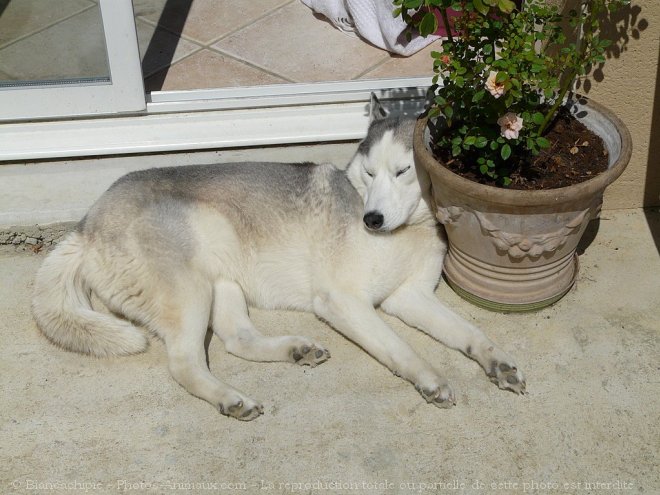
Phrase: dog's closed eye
x=402 y=171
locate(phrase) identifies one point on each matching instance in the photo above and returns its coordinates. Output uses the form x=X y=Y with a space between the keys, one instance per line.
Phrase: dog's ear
x=376 y=110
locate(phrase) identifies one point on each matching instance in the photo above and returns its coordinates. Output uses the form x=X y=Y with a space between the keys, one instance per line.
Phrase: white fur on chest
x=288 y=270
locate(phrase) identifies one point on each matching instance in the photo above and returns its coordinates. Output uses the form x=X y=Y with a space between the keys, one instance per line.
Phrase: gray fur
x=260 y=199
x=402 y=128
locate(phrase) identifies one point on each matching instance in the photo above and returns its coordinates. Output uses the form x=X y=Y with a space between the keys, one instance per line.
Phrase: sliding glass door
x=63 y=63
x=69 y=58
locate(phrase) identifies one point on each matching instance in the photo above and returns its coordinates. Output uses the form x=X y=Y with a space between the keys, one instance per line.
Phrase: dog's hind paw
x=309 y=354
x=507 y=376
x=441 y=396
x=243 y=409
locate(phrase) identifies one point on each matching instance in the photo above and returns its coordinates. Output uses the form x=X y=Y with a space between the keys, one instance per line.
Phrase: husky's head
x=384 y=174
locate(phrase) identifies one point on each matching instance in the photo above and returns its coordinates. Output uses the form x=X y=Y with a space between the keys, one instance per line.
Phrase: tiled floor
x=192 y=44
x=38 y=42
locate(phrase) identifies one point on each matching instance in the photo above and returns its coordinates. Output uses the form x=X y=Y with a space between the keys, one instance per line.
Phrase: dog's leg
x=357 y=320
x=231 y=322
x=422 y=309
x=184 y=329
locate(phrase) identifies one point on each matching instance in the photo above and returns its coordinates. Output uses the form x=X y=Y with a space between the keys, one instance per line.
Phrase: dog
x=179 y=249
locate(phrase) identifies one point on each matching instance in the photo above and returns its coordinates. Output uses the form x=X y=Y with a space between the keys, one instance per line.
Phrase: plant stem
x=568 y=81
x=445 y=21
x=583 y=42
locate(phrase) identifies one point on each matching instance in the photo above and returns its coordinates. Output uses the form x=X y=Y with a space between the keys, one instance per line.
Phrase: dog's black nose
x=374 y=220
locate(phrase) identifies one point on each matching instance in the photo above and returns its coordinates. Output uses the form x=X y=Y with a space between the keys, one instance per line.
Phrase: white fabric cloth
x=373 y=21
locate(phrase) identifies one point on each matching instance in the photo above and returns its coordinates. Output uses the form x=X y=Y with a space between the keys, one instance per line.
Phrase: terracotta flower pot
x=512 y=250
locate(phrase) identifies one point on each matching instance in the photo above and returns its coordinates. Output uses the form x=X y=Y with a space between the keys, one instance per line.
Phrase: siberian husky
x=177 y=250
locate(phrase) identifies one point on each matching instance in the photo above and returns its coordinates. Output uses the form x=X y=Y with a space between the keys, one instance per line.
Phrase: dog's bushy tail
x=63 y=311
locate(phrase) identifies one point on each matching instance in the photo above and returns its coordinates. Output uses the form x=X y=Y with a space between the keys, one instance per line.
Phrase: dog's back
x=257 y=198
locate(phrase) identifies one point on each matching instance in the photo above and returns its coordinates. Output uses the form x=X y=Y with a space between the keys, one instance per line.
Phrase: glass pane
x=46 y=42
x=201 y=44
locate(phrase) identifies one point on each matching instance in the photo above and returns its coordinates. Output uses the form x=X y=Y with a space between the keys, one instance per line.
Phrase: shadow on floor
x=588 y=237
x=161 y=46
x=653 y=220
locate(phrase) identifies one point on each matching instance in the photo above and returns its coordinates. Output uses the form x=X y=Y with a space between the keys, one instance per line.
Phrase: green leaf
x=470 y=140
x=429 y=24
x=459 y=81
x=494 y=145
x=478 y=96
x=483 y=169
x=505 y=152
x=448 y=111
x=481 y=142
x=481 y=8
x=412 y=4
x=501 y=77
x=456 y=150
x=543 y=142
x=506 y=6
x=538 y=118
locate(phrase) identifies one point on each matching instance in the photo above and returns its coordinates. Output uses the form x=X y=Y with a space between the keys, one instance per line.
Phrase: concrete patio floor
x=590 y=422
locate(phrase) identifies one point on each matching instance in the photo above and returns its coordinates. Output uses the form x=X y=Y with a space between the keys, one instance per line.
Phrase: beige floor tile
x=418 y=65
x=292 y=42
x=70 y=49
x=160 y=48
x=20 y=18
x=206 y=20
x=207 y=69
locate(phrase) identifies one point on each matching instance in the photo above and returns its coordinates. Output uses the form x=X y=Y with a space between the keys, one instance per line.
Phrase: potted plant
x=518 y=163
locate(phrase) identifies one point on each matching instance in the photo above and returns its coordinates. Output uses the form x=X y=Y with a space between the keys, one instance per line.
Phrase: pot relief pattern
x=448 y=215
x=518 y=245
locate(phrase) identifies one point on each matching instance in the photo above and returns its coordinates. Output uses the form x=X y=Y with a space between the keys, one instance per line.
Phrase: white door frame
x=219 y=119
x=124 y=92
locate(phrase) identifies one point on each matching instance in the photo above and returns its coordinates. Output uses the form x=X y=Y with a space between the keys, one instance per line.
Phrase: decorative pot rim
x=539 y=197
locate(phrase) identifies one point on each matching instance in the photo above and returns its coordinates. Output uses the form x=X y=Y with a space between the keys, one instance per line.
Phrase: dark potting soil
x=576 y=155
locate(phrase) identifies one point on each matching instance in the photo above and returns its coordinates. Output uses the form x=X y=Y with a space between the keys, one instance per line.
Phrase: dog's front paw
x=309 y=354
x=439 y=395
x=507 y=376
x=241 y=408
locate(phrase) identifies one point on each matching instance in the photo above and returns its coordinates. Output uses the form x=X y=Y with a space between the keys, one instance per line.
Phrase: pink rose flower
x=494 y=88
x=510 y=125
